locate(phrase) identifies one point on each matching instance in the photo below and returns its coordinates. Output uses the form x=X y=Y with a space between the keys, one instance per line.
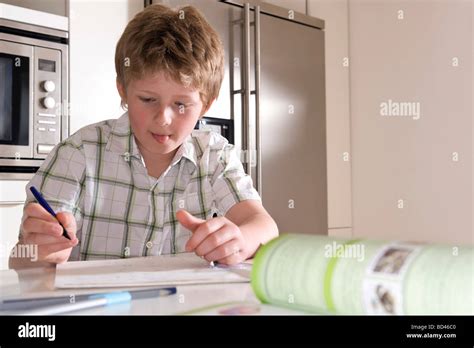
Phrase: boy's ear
x=206 y=108
x=121 y=90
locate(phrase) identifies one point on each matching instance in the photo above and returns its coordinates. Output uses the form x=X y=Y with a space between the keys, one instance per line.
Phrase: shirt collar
x=186 y=150
x=122 y=141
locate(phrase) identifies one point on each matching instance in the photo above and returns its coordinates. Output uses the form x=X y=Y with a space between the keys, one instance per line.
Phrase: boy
x=146 y=184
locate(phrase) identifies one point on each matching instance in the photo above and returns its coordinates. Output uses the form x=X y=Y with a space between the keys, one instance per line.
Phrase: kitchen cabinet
x=57 y=7
x=10 y=218
x=12 y=198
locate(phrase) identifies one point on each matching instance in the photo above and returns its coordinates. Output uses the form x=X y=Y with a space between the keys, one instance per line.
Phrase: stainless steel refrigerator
x=274 y=91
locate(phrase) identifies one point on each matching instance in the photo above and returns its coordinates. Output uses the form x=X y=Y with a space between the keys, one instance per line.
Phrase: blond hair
x=180 y=42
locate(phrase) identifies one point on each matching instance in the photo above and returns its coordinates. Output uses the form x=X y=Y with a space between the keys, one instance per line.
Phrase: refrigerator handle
x=246 y=92
x=257 y=102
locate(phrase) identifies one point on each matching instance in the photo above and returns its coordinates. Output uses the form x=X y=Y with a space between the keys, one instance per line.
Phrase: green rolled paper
x=319 y=274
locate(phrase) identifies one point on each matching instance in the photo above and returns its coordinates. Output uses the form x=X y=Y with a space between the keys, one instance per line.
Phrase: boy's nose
x=164 y=116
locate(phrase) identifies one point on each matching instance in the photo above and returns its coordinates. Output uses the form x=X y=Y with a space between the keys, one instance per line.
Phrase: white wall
x=394 y=160
x=335 y=15
x=95 y=27
x=406 y=184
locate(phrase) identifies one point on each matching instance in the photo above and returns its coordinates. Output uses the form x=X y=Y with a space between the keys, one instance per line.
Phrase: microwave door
x=16 y=100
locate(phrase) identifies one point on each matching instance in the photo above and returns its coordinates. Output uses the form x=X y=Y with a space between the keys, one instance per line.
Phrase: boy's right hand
x=42 y=229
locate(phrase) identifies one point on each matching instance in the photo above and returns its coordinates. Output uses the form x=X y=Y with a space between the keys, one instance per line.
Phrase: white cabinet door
x=10 y=219
x=12 y=198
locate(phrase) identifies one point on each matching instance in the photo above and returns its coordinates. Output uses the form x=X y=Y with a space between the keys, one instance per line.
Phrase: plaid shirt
x=99 y=175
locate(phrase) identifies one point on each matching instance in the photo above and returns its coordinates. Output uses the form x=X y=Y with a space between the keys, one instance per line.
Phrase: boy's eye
x=181 y=107
x=147 y=100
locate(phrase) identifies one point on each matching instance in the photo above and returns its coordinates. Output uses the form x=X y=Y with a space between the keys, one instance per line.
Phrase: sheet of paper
x=179 y=269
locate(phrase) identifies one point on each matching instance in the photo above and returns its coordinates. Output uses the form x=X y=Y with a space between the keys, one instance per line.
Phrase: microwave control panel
x=47 y=102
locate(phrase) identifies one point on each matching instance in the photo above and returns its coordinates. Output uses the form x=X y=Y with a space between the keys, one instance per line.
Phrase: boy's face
x=162 y=112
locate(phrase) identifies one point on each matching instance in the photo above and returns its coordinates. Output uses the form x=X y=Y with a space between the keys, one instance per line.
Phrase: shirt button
x=149 y=244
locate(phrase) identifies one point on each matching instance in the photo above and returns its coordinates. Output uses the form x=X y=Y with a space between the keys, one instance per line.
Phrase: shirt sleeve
x=60 y=179
x=230 y=183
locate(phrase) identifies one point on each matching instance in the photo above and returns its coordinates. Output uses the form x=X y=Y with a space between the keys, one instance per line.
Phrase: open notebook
x=179 y=269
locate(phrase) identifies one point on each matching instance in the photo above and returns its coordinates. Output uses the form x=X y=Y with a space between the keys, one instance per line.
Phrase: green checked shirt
x=99 y=175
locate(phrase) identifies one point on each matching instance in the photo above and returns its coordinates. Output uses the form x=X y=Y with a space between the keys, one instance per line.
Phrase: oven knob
x=49 y=86
x=49 y=102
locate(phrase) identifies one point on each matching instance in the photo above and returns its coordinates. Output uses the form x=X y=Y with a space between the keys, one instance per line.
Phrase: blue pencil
x=46 y=206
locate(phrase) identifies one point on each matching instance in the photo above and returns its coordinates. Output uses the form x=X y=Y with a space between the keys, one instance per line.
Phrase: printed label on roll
x=383 y=284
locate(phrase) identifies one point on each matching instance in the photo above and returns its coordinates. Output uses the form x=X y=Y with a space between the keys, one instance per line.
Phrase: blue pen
x=42 y=303
x=91 y=302
x=46 y=206
x=98 y=300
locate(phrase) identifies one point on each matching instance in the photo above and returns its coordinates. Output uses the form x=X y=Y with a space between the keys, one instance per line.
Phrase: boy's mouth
x=161 y=138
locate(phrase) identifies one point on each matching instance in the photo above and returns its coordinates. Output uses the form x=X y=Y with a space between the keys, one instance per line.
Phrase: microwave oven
x=33 y=95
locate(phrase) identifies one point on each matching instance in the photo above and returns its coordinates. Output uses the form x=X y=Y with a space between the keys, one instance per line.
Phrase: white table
x=39 y=282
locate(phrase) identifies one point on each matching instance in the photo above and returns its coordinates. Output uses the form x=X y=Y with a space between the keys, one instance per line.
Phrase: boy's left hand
x=217 y=239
